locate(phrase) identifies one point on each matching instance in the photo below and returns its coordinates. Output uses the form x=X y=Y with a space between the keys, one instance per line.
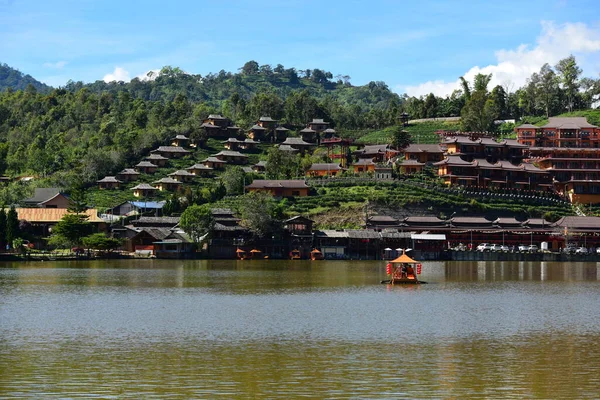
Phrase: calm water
x=278 y=329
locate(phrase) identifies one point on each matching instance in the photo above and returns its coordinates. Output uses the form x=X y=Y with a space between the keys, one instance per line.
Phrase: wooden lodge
x=167 y=184
x=298 y=144
x=231 y=157
x=363 y=165
x=47 y=198
x=260 y=166
x=182 y=175
x=324 y=169
x=146 y=167
x=377 y=152
x=180 y=141
x=470 y=148
x=200 y=170
x=217 y=126
x=109 y=182
x=287 y=148
x=128 y=175
x=280 y=188
x=235 y=144
x=144 y=190
x=157 y=160
x=214 y=163
x=171 y=151
x=423 y=153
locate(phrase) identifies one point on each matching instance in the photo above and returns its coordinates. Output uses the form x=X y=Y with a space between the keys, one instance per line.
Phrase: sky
x=415 y=47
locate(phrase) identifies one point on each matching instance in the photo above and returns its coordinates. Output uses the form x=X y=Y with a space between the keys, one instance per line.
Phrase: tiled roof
x=267 y=183
x=325 y=167
x=42 y=194
x=155 y=156
x=229 y=153
x=568 y=123
x=168 y=180
x=128 y=171
x=200 y=166
x=52 y=214
x=109 y=179
x=143 y=186
x=181 y=172
x=423 y=148
x=293 y=141
x=146 y=164
x=170 y=149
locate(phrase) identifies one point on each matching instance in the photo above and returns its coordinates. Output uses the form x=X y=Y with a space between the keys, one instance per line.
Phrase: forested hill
x=16 y=80
x=263 y=90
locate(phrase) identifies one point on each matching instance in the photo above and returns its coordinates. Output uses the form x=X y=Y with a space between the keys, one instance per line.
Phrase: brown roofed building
x=298 y=143
x=157 y=159
x=171 y=151
x=182 y=175
x=232 y=157
x=280 y=188
x=144 y=190
x=200 y=170
x=363 y=165
x=561 y=132
x=324 y=169
x=47 y=198
x=146 y=167
x=214 y=163
x=108 y=182
x=128 y=175
x=423 y=153
x=167 y=184
x=180 y=141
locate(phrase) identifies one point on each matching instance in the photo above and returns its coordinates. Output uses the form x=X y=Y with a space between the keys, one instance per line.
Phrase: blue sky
x=414 y=47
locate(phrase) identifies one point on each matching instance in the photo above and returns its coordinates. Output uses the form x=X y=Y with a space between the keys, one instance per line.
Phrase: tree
x=479 y=113
x=250 y=68
x=280 y=165
x=548 y=89
x=234 y=180
x=400 y=138
x=569 y=77
x=197 y=221
x=12 y=226
x=99 y=241
x=70 y=230
x=2 y=227
x=261 y=214
x=78 y=199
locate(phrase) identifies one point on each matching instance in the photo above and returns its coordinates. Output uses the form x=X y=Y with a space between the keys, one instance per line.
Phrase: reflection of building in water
x=496 y=271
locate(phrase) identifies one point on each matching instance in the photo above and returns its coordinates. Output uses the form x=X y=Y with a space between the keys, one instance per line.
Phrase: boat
x=295 y=254
x=255 y=253
x=316 y=255
x=403 y=270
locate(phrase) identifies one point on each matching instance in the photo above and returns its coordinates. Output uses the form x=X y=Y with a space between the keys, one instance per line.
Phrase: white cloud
x=56 y=65
x=149 y=75
x=513 y=67
x=119 y=74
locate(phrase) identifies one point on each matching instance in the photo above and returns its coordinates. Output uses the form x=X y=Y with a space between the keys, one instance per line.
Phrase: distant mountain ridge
x=16 y=80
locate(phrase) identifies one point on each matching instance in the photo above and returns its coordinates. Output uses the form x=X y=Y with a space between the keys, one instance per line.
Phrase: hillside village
x=553 y=170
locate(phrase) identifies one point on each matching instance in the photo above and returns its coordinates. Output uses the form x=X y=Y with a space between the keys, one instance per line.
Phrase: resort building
x=214 y=163
x=109 y=182
x=324 y=169
x=167 y=184
x=298 y=144
x=180 y=141
x=128 y=175
x=144 y=190
x=280 y=188
x=171 y=151
x=377 y=152
x=47 y=198
x=182 y=175
x=157 y=160
x=560 y=132
x=363 y=165
x=200 y=170
x=217 y=126
x=231 y=157
x=146 y=167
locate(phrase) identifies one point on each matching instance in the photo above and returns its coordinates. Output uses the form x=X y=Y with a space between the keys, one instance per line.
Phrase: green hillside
x=13 y=79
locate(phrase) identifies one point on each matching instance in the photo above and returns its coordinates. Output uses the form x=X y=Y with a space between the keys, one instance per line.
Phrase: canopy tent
x=404 y=259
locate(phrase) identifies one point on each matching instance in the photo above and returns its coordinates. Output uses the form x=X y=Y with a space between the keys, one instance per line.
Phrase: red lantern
x=388 y=269
x=418 y=269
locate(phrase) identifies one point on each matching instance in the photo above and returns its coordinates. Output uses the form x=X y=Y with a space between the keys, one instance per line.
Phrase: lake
x=282 y=329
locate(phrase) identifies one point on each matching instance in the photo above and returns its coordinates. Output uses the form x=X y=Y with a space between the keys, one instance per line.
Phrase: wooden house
x=128 y=175
x=180 y=141
x=363 y=165
x=232 y=157
x=299 y=144
x=157 y=160
x=560 y=132
x=144 y=190
x=324 y=169
x=182 y=176
x=146 y=167
x=200 y=170
x=280 y=188
x=171 y=151
x=214 y=163
x=257 y=132
x=287 y=148
x=260 y=166
x=423 y=153
x=47 y=198
x=167 y=184
x=109 y=182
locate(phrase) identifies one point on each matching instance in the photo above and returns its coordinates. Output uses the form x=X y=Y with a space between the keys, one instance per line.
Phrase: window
x=295 y=193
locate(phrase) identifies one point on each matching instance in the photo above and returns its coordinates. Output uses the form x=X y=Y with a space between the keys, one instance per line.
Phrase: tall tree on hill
x=12 y=226
x=250 y=68
x=400 y=138
x=2 y=228
x=547 y=90
x=569 y=77
x=480 y=111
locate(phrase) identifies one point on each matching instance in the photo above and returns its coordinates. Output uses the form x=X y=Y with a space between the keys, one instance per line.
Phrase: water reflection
x=222 y=329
